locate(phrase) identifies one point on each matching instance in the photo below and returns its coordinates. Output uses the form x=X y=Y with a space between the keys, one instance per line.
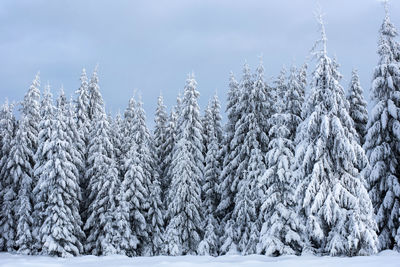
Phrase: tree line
x=299 y=167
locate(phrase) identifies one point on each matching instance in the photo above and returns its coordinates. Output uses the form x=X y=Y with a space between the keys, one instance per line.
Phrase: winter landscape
x=298 y=170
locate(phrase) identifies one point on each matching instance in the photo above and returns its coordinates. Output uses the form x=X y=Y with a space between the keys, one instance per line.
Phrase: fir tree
x=209 y=245
x=381 y=141
x=251 y=141
x=135 y=194
x=31 y=110
x=21 y=173
x=281 y=230
x=102 y=225
x=61 y=232
x=82 y=106
x=42 y=156
x=334 y=202
x=146 y=152
x=82 y=118
x=225 y=206
x=8 y=189
x=183 y=232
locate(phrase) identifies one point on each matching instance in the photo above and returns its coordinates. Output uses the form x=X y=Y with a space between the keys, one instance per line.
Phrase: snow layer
x=384 y=259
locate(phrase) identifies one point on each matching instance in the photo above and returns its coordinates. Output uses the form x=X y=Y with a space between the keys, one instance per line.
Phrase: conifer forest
x=302 y=165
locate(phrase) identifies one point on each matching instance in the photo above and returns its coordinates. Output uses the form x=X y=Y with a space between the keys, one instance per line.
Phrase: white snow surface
x=383 y=259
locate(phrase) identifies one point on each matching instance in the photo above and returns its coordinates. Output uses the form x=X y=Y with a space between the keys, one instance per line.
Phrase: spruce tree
x=8 y=189
x=281 y=231
x=332 y=197
x=146 y=152
x=225 y=206
x=21 y=173
x=210 y=244
x=42 y=156
x=82 y=106
x=134 y=194
x=183 y=232
x=82 y=118
x=382 y=138
x=31 y=110
x=102 y=225
x=61 y=231
x=250 y=141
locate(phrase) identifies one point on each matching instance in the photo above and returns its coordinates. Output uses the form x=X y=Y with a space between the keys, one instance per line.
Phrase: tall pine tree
x=184 y=231
x=210 y=244
x=61 y=232
x=382 y=138
x=8 y=190
x=334 y=202
x=281 y=231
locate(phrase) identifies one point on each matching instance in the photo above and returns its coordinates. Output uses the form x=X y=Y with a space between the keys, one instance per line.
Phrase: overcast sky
x=151 y=46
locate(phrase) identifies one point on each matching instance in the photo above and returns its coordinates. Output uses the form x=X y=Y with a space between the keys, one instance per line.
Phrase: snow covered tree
x=247 y=199
x=358 y=106
x=249 y=143
x=82 y=118
x=21 y=173
x=281 y=231
x=382 y=138
x=136 y=194
x=31 y=110
x=209 y=245
x=74 y=135
x=20 y=167
x=333 y=200
x=103 y=225
x=184 y=231
x=61 y=231
x=42 y=156
x=82 y=105
x=146 y=151
x=225 y=206
x=8 y=189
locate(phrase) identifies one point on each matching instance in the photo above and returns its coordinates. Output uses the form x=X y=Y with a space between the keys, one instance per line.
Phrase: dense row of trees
x=291 y=172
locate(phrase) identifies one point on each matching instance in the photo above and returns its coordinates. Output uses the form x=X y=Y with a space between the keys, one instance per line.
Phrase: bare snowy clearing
x=384 y=259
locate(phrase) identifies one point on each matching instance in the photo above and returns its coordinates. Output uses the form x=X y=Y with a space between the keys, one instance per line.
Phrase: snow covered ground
x=383 y=259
